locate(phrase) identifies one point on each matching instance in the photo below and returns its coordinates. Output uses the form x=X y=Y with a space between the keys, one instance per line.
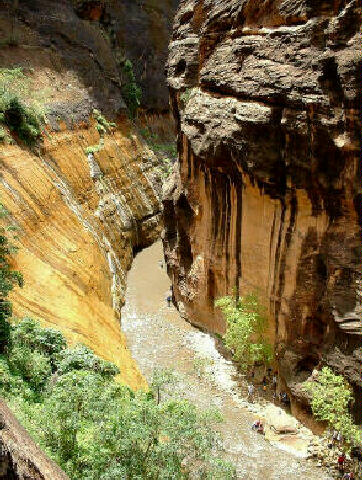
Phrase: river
x=159 y=338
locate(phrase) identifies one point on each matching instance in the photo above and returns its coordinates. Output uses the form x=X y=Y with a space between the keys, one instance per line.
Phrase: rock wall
x=81 y=217
x=267 y=198
x=94 y=38
x=79 y=220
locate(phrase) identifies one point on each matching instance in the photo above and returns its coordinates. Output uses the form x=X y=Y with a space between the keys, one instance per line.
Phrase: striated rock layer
x=80 y=219
x=267 y=199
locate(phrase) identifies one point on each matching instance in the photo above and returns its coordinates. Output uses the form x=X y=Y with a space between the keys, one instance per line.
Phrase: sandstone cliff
x=267 y=97
x=81 y=217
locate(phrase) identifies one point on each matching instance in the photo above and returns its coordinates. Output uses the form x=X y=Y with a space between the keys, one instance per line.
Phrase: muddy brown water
x=159 y=338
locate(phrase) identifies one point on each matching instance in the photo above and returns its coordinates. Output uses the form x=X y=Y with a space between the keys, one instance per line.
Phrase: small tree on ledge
x=246 y=323
x=331 y=398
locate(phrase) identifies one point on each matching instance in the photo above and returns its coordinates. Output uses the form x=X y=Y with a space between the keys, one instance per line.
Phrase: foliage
x=202 y=365
x=95 y=148
x=96 y=428
x=246 y=324
x=32 y=366
x=186 y=95
x=21 y=109
x=103 y=126
x=8 y=279
x=83 y=358
x=48 y=341
x=331 y=398
x=165 y=151
x=131 y=92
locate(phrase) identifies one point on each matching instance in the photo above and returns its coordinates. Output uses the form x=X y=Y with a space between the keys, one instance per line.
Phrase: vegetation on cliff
x=331 y=399
x=90 y=424
x=102 y=126
x=245 y=330
x=131 y=92
x=22 y=114
x=8 y=278
x=165 y=150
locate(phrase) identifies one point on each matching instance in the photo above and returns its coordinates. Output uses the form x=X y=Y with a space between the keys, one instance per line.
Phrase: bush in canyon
x=97 y=429
x=245 y=330
x=8 y=277
x=131 y=92
x=331 y=398
x=21 y=106
x=166 y=151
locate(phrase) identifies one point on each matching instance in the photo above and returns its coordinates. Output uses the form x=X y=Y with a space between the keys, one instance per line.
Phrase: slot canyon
x=189 y=150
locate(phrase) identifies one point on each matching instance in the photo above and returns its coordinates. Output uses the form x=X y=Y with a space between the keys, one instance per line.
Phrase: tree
x=331 y=398
x=98 y=429
x=245 y=330
x=8 y=278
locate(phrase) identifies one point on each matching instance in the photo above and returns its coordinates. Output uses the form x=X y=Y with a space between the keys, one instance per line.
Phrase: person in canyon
x=169 y=298
x=348 y=476
x=334 y=437
x=250 y=392
x=341 y=461
x=258 y=426
x=264 y=383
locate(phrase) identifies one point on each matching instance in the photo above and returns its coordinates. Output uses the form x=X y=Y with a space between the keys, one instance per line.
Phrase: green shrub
x=22 y=120
x=83 y=358
x=8 y=279
x=103 y=125
x=96 y=428
x=29 y=334
x=331 y=398
x=186 y=95
x=32 y=366
x=95 y=148
x=21 y=105
x=131 y=92
x=245 y=330
x=2 y=130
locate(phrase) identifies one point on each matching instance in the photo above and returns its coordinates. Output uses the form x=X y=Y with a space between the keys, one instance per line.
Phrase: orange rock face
x=79 y=219
x=267 y=197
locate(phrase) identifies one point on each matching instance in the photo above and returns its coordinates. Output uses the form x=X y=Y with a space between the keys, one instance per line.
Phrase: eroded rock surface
x=93 y=38
x=80 y=216
x=267 y=198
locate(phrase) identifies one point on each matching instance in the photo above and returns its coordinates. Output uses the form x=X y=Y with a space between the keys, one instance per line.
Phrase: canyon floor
x=159 y=338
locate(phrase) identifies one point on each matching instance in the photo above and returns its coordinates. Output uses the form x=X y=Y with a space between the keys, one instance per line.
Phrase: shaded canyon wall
x=267 y=198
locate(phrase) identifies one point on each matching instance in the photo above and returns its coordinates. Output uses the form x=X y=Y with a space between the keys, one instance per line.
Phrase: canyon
x=82 y=216
x=265 y=99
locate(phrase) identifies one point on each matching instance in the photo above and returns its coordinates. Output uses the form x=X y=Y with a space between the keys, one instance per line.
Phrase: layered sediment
x=79 y=220
x=267 y=198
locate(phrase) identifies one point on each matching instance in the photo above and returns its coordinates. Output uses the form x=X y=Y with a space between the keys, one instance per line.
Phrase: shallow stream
x=159 y=338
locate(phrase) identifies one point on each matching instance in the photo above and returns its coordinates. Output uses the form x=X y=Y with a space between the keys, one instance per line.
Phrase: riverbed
x=159 y=338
